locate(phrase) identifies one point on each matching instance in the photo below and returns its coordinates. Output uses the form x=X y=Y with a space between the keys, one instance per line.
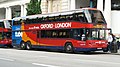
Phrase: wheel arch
x=28 y=41
x=68 y=42
x=22 y=41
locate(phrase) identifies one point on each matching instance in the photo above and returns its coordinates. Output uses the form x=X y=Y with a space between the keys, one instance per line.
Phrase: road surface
x=33 y=58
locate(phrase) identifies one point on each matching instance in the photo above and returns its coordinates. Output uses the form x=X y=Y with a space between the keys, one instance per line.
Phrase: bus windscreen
x=94 y=16
x=96 y=34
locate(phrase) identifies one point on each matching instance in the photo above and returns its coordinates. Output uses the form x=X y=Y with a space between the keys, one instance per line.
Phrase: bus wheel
x=28 y=45
x=10 y=46
x=105 y=49
x=23 y=46
x=68 y=48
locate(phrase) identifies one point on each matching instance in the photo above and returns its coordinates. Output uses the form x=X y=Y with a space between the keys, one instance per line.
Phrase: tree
x=34 y=7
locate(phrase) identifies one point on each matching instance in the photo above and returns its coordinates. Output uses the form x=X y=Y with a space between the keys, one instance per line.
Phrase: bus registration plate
x=99 y=48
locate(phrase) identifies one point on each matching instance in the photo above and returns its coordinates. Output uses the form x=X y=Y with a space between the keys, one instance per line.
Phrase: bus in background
x=76 y=30
x=5 y=33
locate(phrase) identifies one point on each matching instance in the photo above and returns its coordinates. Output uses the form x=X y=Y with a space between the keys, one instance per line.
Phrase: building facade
x=110 y=8
x=14 y=8
x=10 y=8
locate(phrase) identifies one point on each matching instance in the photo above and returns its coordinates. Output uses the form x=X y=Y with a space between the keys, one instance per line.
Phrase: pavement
x=118 y=53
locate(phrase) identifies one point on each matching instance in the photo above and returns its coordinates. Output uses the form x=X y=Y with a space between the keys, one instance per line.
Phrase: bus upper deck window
x=2 y=24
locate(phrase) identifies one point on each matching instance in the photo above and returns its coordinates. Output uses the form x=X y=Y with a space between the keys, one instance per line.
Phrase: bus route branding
x=18 y=34
x=52 y=25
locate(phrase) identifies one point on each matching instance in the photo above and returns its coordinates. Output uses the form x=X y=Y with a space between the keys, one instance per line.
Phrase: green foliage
x=34 y=7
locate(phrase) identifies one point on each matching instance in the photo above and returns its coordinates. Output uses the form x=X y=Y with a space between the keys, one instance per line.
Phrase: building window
x=115 y=4
x=93 y=3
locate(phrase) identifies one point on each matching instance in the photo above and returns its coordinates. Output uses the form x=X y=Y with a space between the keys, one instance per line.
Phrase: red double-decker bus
x=75 y=30
x=5 y=33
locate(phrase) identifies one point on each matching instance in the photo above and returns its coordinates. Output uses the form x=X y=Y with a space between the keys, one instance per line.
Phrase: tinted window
x=1 y=36
x=7 y=34
x=96 y=34
x=18 y=22
x=2 y=25
x=80 y=17
x=55 y=33
x=115 y=4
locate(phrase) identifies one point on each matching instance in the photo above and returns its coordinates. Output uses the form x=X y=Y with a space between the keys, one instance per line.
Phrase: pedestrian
x=112 y=43
x=119 y=43
x=110 y=40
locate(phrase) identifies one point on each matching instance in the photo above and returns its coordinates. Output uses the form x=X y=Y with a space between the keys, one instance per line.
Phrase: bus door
x=79 y=34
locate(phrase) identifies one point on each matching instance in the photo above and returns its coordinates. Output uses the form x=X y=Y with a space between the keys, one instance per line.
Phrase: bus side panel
x=30 y=36
x=52 y=42
x=16 y=36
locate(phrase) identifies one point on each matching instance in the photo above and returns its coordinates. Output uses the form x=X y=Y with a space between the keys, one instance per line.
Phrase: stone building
x=110 y=8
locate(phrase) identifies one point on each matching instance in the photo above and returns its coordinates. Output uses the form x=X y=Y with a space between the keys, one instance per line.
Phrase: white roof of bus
x=49 y=14
x=1 y=20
